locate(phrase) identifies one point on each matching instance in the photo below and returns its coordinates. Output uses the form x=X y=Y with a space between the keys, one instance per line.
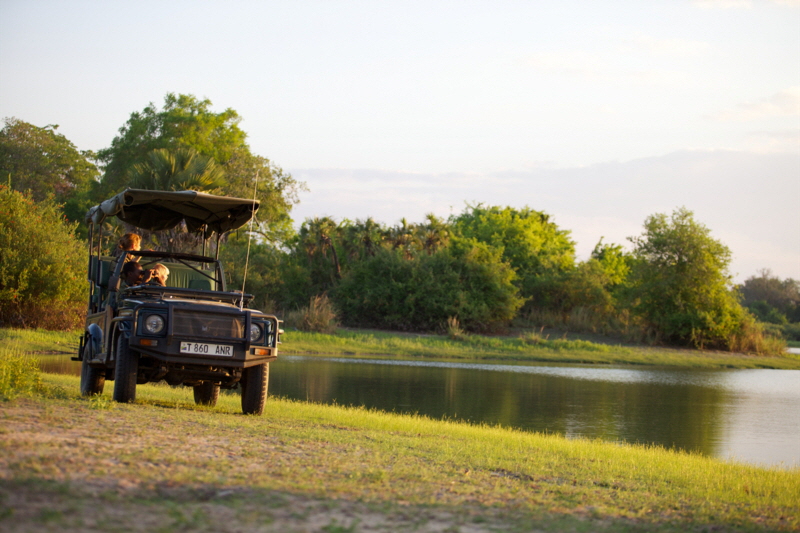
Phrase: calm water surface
x=748 y=415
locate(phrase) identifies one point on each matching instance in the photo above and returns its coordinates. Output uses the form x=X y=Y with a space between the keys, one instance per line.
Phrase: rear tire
x=206 y=393
x=127 y=367
x=255 y=382
x=93 y=379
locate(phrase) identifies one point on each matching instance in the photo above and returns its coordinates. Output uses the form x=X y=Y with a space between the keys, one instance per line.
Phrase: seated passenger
x=131 y=274
x=130 y=242
x=156 y=276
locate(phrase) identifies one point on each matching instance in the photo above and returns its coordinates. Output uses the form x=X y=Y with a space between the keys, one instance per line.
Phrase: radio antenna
x=249 y=239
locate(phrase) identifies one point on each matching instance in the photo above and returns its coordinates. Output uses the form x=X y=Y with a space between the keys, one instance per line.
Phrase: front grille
x=197 y=324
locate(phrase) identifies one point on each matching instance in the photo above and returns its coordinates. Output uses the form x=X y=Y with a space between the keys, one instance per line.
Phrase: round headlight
x=255 y=332
x=154 y=324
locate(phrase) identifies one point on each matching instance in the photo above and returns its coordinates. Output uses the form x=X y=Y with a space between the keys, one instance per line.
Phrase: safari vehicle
x=195 y=331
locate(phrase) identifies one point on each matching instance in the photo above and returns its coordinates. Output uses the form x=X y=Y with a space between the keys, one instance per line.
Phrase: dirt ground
x=57 y=475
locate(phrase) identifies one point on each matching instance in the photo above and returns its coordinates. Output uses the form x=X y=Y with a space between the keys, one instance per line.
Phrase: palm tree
x=177 y=170
x=315 y=238
x=434 y=234
x=363 y=238
x=403 y=238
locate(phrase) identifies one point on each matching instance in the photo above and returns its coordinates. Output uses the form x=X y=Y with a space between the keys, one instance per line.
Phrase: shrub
x=19 y=374
x=42 y=265
x=453 y=329
x=467 y=281
x=750 y=337
x=319 y=316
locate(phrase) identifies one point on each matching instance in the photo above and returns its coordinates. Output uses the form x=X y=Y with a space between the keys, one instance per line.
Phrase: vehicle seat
x=200 y=284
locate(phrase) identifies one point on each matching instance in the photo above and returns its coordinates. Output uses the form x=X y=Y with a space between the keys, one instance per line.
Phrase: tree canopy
x=177 y=170
x=46 y=163
x=772 y=299
x=153 y=142
x=529 y=241
x=42 y=264
x=680 y=282
x=185 y=121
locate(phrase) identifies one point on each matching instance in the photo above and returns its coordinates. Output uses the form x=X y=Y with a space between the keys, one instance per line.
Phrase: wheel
x=206 y=393
x=255 y=381
x=125 y=373
x=93 y=380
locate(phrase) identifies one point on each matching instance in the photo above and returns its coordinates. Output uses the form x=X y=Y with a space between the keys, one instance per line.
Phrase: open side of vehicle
x=194 y=331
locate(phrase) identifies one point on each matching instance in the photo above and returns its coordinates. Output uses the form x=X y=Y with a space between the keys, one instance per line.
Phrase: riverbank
x=72 y=464
x=530 y=346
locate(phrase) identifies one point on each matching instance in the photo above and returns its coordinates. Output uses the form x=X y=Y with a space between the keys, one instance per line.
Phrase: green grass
x=19 y=374
x=40 y=340
x=165 y=457
x=526 y=347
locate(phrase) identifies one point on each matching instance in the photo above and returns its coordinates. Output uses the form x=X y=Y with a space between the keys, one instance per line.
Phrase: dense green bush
x=681 y=288
x=467 y=280
x=535 y=247
x=42 y=265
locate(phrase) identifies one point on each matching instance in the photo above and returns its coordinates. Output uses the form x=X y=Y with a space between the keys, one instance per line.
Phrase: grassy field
x=164 y=464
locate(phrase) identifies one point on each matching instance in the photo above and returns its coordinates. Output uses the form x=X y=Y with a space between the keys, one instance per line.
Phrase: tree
x=530 y=242
x=177 y=170
x=772 y=299
x=188 y=123
x=404 y=238
x=363 y=238
x=46 y=163
x=185 y=122
x=680 y=283
x=42 y=264
x=434 y=234
x=275 y=189
x=316 y=240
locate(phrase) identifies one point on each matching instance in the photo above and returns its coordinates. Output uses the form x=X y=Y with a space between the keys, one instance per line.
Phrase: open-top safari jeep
x=192 y=332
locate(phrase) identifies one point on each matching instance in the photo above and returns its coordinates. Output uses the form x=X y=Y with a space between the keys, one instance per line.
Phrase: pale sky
x=599 y=113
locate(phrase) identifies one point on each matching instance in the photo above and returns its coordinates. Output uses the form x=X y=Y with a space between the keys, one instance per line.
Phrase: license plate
x=207 y=349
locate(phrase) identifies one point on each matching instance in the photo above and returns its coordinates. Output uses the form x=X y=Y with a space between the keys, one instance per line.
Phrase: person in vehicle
x=156 y=276
x=130 y=242
x=131 y=274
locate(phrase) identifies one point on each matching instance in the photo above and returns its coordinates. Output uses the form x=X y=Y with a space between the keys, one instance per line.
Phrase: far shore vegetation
x=484 y=271
x=523 y=347
x=70 y=463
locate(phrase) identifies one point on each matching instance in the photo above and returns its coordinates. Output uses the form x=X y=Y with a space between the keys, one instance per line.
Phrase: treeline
x=481 y=270
x=492 y=266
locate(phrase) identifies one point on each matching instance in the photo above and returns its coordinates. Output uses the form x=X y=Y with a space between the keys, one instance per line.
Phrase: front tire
x=255 y=381
x=127 y=367
x=93 y=379
x=206 y=393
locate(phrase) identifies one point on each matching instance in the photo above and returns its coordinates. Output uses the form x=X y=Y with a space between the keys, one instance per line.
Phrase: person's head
x=131 y=273
x=162 y=272
x=130 y=241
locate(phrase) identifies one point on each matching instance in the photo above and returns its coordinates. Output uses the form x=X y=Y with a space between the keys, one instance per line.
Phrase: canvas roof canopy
x=160 y=210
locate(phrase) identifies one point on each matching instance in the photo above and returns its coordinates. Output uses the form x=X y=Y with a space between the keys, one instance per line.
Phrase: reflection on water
x=751 y=415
